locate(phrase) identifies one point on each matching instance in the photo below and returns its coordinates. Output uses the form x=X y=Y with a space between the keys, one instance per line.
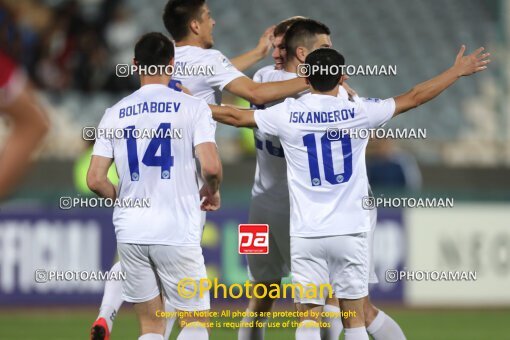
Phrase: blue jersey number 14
x=327 y=159
x=165 y=161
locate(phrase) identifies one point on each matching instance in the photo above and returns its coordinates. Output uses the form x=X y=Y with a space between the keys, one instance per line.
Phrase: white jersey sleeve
x=268 y=120
x=213 y=71
x=224 y=71
x=103 y=146
x=205 y=126
x=378 y=111
x=258 y=77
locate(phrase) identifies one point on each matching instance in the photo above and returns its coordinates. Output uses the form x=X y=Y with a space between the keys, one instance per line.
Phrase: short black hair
x=178 y=14
x=302 y=33
x=154 y=49
x=282 y=27
x=325 y=68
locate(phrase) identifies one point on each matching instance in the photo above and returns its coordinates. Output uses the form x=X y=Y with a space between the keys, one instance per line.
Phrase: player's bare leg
x=308 y=328
x=256 y=306
x=262 y=305
x=353 y=319
x=380 y=325
x=193 y=327
x=152 y=327
x=369 y=310
x=333 y=319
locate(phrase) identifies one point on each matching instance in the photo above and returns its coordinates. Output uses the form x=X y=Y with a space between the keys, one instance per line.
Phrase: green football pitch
x=417 y=324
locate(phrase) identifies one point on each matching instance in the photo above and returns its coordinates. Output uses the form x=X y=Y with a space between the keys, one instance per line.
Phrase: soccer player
x=29 y=124
x=270 y=202
x=191 y=25
x=270 y=193
x=301 y=39
x=112 y=297
x=328 y=224
x=278 y=47
x=155 y=242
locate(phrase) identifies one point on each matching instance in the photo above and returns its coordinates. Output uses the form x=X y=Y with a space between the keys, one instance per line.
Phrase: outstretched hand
x=266 y=41
x=472 y=63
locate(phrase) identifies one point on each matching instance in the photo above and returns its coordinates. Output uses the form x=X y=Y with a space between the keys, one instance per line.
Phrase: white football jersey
x=270 y=184
x=205 y=72
x=161 y=168
x=259 y=75
x=327 y=179
x=270 y=188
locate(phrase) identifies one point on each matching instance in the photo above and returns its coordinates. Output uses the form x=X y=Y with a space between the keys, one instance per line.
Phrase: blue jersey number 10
x=327 y=159
x=165 y=161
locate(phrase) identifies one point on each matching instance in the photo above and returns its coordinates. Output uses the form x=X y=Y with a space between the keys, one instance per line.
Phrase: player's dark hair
x=153 y=49
x=302 y=33
x=178 y=14
x=282 y=27
x=327 y=71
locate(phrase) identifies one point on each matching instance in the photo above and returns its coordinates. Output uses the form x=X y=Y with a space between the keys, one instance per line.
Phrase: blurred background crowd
x=70 y=49
x=70 y=45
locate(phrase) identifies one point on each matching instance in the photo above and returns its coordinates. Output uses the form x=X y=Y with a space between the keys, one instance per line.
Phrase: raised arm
x=422 y=93
x=231 y=116
x=250 y=58
x=262 y=93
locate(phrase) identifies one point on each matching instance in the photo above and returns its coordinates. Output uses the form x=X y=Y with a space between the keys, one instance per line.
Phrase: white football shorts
x=341 y=261
x=276 y=264
x=157 y=269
